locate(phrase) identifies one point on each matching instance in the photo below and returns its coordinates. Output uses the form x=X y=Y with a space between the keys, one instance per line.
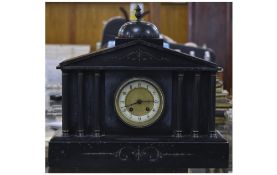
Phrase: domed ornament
x=138 y=29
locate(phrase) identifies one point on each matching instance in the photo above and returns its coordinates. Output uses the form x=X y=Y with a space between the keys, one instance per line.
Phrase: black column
x=179 y=113
x=65 y=103
x=80 y=130
x=196 y=93
x=90 y=102
x=96 y=116
x=212 y=105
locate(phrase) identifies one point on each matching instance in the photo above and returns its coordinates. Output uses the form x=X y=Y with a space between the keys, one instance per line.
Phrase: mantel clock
x=138 y=107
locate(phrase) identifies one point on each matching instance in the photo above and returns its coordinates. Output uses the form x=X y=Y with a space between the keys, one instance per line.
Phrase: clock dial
x=139 y=102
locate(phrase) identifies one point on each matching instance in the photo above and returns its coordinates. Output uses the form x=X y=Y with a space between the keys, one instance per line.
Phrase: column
x=211 y=116
x=96 y=114
x=90 y=102
x=80 y=130
x=65 y=103
x=196 y=93
x=179 y=113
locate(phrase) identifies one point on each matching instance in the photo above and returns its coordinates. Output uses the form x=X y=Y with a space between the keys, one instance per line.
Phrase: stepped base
x=136 y=154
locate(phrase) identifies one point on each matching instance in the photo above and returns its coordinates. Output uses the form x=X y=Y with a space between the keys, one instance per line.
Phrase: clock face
x=139 y=102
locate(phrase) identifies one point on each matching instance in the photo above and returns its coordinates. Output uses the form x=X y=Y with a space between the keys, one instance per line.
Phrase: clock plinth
x=137 y=154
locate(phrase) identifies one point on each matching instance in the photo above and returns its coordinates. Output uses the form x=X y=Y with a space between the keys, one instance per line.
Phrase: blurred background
x=201 y=29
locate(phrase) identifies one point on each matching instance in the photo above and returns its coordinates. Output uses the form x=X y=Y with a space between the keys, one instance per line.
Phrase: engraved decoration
x=148 y=153
x=141 y=56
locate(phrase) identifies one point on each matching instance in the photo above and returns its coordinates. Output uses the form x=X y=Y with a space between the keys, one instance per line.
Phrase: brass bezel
x=145 y=123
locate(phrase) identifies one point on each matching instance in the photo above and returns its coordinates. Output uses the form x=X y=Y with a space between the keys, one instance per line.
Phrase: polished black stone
x=138 y=29
x=117 y=153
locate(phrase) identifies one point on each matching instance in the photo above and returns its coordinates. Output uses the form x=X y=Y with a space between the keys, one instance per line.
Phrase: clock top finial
x=138 y=13
x=138 y=29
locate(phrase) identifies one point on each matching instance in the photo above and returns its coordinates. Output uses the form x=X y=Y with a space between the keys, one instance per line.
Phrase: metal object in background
x=55 y=53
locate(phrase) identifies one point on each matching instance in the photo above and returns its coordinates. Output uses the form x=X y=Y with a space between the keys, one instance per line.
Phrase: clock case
x=94 y=139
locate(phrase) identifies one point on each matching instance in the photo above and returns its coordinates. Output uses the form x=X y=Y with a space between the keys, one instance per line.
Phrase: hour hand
x=139 y=101
x=131 y=104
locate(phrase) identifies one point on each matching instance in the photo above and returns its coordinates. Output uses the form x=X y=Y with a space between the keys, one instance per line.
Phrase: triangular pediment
x=137 y=53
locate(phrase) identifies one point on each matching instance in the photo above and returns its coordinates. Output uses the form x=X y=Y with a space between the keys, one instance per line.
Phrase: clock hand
x=139 y=101
x=131 y=104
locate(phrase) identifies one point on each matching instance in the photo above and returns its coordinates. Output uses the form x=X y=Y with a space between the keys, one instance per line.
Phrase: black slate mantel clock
x=138 y=107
